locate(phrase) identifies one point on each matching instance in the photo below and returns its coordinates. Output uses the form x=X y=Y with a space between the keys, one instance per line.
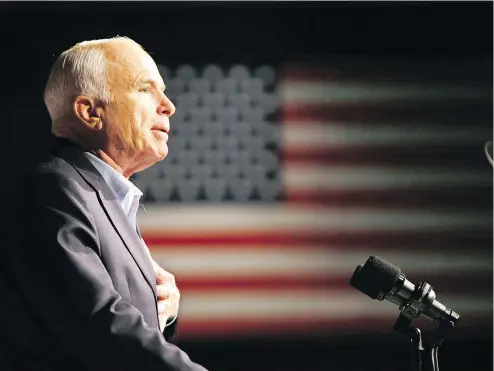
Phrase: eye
x=145 y=89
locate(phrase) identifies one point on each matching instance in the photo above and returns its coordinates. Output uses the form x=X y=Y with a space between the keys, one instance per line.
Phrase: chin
x=162 y=152
x=152 y=156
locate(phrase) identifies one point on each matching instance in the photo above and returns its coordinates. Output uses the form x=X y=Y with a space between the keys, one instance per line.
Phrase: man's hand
x=168 y=295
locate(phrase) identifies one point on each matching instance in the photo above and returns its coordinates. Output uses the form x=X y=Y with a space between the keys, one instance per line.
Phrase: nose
x=166 y=107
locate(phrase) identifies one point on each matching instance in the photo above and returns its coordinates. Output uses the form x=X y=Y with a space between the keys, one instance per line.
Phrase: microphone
x=382 y=280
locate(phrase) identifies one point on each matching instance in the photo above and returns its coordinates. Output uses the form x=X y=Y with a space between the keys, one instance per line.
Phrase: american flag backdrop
x=376 y=159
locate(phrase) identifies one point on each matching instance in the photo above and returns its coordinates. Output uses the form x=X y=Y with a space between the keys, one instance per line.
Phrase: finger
x=172 y=310
x=164 y=290
x=163 y=306
x=162 y=321
x=174 y=301
x=167 y=309
x=174 y=294
x=163 y=276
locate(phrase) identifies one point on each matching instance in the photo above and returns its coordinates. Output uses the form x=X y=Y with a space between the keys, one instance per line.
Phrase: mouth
x=161 y=134
x=160 y=129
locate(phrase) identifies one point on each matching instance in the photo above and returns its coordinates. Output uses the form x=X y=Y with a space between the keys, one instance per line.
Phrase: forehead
x=129 y=64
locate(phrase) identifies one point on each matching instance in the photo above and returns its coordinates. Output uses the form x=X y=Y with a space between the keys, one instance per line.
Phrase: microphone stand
x=402 y=325
x=408 y=311
x=436 y=340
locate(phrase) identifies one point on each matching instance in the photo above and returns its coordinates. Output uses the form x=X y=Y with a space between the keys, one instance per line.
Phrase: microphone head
x=376 y=277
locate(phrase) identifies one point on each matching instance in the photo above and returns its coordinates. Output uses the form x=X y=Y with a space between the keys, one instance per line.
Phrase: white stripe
x=313 y=135
x=310 y=177
x=241 y=262
x=231 y=218
x=316 y=304
x=326 y=92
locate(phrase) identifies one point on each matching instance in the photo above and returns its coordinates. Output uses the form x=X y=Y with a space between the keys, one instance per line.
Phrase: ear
x=88 y=112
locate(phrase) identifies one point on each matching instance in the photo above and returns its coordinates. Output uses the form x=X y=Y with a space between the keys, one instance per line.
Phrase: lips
x=163 y=134
x=161 y=129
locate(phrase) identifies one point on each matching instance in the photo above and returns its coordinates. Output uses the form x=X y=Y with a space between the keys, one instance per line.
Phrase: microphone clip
x=422 y=297
x=418 y=342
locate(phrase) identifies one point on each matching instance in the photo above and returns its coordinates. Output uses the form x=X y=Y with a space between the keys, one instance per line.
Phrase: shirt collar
x=126 y=192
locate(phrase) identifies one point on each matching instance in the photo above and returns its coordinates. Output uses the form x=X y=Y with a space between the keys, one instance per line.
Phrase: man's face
x=136 y=122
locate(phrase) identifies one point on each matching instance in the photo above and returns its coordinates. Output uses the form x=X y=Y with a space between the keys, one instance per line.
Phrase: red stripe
x=439 y=198
x=479 y=325
x=451 y=239
x=454 y=155
x=452 y=284
x=283 y=326
x=383 y=72
x=406 y=110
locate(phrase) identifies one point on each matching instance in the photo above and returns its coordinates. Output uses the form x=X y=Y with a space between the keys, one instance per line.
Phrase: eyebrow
x=150 y=82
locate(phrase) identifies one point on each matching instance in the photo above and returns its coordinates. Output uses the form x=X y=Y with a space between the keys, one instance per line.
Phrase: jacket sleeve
x=65 y=282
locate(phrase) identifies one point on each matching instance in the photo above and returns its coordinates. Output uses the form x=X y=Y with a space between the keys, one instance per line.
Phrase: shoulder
x=52 y=191
x=55 y=173
x=53 y=179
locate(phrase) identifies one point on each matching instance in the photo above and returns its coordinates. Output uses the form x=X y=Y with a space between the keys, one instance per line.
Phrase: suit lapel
x=111 y=206
x=127 y=233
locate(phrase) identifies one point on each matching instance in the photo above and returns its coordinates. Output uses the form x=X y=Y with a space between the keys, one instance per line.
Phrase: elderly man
x=79 y=289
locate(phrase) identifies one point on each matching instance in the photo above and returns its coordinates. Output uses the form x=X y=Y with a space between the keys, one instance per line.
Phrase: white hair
x=80 y=70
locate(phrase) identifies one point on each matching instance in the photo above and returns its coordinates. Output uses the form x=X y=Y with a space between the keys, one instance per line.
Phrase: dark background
x=33 y=34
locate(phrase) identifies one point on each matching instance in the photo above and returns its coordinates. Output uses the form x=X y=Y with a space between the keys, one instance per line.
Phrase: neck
x=97 y=151
x=111 y=157
x=107 y=159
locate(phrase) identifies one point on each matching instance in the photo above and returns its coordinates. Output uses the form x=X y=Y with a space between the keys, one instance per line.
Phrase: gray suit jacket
x=77 y=289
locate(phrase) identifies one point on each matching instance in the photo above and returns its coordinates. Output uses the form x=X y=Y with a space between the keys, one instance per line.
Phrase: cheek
x=124 y=129
x=133 y=123
x=128 y=127
x=143 y=136
x=133 y=126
